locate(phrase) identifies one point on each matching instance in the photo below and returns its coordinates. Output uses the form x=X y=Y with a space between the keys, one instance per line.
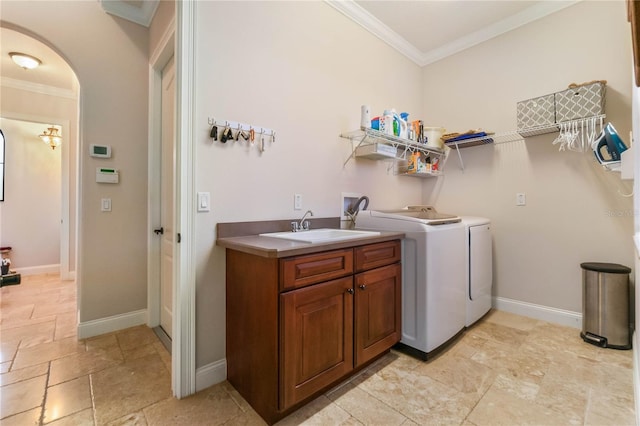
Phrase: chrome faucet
x=303 y=225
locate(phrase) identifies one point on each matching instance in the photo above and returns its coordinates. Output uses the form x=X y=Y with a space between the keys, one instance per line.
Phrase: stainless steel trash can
x=605 y=305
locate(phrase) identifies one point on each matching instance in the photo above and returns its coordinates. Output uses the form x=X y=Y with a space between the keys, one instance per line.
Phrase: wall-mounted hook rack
x=248 y=132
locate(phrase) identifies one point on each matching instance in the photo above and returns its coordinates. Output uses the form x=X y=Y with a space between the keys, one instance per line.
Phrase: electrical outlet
x=521 y=199
x=297 y=201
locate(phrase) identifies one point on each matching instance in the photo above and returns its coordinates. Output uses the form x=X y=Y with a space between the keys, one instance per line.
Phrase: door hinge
x=179 y=237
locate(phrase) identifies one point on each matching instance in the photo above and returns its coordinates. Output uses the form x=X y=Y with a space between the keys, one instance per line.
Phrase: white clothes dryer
x=479 y=267
x=433 y=274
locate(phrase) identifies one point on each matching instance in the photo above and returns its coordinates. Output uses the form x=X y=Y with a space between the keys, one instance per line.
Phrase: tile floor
x=507 y=369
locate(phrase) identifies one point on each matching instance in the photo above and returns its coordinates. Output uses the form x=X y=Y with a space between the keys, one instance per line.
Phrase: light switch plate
x=204 y=201
x=521 y=199
x=105 y=204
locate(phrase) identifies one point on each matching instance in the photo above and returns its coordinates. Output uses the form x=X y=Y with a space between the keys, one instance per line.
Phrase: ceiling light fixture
x=51 y=137
x=25 y=61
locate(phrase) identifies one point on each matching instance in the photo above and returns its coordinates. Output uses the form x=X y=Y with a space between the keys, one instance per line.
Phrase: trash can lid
x=612 y=268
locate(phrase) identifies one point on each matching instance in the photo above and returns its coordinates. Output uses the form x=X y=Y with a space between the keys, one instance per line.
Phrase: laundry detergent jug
x=608 y=146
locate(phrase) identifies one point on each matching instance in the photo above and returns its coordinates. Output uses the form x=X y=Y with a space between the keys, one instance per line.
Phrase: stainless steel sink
x=324 y=235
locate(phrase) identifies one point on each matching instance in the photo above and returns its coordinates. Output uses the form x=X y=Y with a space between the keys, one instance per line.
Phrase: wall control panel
x=107 y=175
x=100 y=151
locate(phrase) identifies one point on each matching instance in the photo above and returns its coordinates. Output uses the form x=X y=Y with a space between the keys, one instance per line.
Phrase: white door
x=167 y=193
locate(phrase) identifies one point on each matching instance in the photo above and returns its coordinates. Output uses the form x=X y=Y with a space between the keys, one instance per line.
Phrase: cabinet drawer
x=376 y=255
x=301 y=271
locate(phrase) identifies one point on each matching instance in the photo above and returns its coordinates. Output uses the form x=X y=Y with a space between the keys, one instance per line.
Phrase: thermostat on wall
x=100 y=151
x=105 y=175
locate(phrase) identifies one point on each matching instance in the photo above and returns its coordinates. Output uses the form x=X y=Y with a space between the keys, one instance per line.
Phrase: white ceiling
x=429 y=30
x=53 y=76
x=425 y=31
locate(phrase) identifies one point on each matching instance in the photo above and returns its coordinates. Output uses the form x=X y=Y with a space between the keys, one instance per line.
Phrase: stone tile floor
x=505 y=370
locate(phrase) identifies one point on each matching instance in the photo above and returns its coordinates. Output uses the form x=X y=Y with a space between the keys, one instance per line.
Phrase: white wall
x=30 y=212
x=575 y=211
x=109 y=56
x=304 y=70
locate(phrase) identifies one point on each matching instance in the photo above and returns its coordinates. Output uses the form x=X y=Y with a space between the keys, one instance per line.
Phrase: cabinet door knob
x=350 y=290
x=362 y=286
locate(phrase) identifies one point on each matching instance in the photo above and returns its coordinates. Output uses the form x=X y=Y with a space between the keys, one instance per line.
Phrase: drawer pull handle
x=362 y=286
x=350 y=290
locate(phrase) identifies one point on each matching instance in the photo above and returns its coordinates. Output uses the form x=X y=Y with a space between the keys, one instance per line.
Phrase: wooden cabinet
x=377 y=312
x=317 y=338
x=298 y=325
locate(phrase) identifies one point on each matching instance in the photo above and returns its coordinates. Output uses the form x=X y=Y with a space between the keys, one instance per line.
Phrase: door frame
x=184 y=296
x=183 y=369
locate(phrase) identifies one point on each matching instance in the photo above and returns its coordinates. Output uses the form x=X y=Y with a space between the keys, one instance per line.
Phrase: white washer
x=433 y=274
x=479 y=267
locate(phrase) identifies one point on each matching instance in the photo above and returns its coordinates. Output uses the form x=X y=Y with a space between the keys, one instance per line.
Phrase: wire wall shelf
x=376 y=145
x=394 y=147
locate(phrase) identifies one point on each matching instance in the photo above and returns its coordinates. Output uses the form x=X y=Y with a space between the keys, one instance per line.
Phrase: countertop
x=276 y=247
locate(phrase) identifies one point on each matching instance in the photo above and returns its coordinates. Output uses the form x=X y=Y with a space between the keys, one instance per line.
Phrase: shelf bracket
x=353 y=150
x=460 y=158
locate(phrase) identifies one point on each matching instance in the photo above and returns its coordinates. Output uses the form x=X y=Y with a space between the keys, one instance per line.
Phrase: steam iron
x=608 y=146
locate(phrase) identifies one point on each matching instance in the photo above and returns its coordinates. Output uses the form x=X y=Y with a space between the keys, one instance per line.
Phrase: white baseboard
x=40 y=269
x=69 y=276
x=109 y=324
x=211 y=374
x=544 y=313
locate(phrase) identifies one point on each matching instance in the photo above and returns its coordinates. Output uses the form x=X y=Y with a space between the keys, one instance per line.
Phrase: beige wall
x=165 y=14
x=109 y=56
x=636 y=204
x=40 y=107
x=30 y=212
x=304 y=70
x=575 y=211
x=284 y=70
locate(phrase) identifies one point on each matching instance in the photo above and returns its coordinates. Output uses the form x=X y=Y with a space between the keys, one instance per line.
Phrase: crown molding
x=42 y=89
x=362 y=17
x=140 y=15
x=520 y=19
x=372 y=24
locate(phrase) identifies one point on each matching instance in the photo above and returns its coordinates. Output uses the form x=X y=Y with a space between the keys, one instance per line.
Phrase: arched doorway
x=33 y=99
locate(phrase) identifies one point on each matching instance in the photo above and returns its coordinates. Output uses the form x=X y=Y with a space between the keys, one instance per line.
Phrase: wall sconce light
x=25 y=61
x=51 y=137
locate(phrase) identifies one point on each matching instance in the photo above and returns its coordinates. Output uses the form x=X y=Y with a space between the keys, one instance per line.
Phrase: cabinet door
x=377 y=311
x=316 y=338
